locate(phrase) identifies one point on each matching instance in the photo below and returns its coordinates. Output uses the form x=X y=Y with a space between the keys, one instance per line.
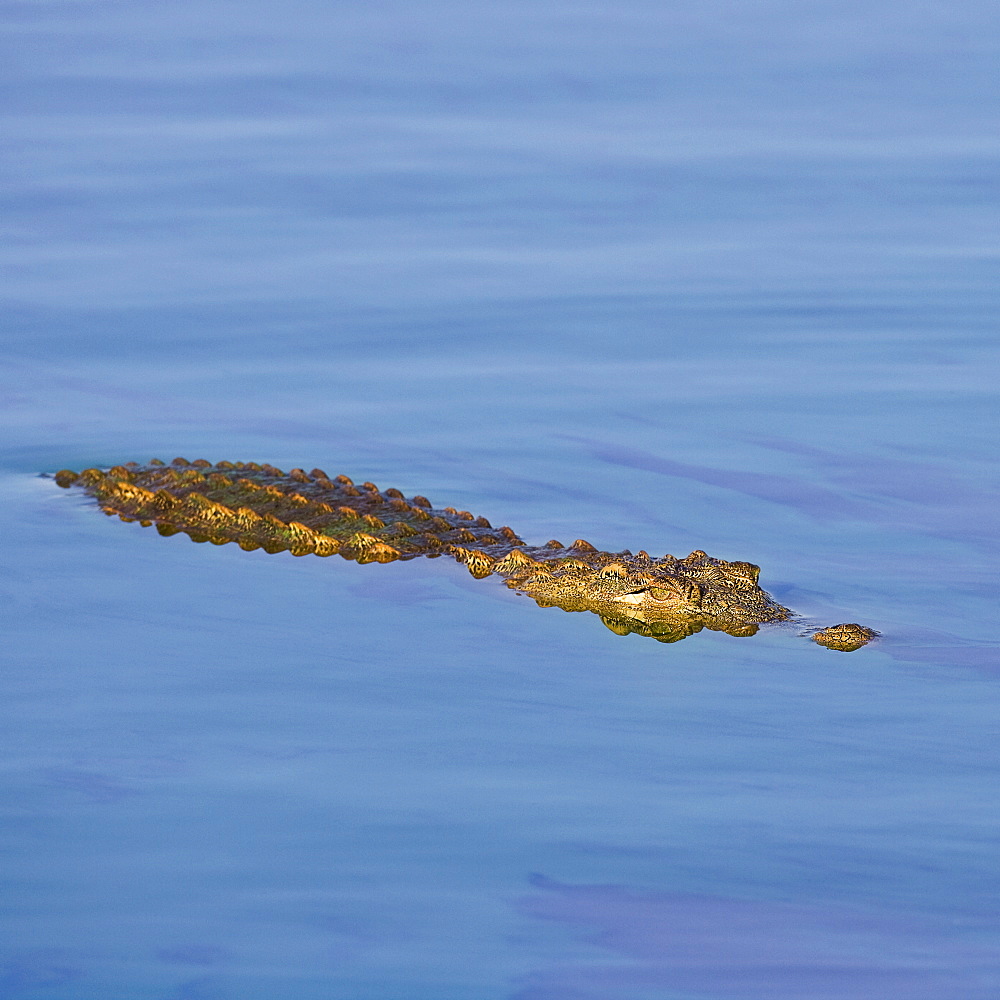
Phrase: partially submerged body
x=259 y=506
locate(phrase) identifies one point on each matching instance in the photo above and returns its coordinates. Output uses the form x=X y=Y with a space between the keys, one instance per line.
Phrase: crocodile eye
x=676 y=590
x=659 y=594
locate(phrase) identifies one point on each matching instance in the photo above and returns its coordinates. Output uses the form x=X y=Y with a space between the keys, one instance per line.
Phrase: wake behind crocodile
x=258 y=506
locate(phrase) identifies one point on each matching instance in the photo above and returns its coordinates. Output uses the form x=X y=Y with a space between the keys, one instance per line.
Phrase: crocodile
x=258 y=506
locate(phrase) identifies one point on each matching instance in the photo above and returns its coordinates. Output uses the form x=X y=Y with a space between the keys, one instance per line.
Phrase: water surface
x=657 y=276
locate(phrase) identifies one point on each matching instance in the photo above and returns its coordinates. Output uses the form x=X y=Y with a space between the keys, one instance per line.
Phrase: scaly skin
x=261 y=507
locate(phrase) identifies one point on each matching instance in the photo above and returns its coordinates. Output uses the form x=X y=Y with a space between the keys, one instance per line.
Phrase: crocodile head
x=657 y=596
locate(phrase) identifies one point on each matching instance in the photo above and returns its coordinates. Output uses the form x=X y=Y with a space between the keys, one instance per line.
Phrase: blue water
x=662 y=276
